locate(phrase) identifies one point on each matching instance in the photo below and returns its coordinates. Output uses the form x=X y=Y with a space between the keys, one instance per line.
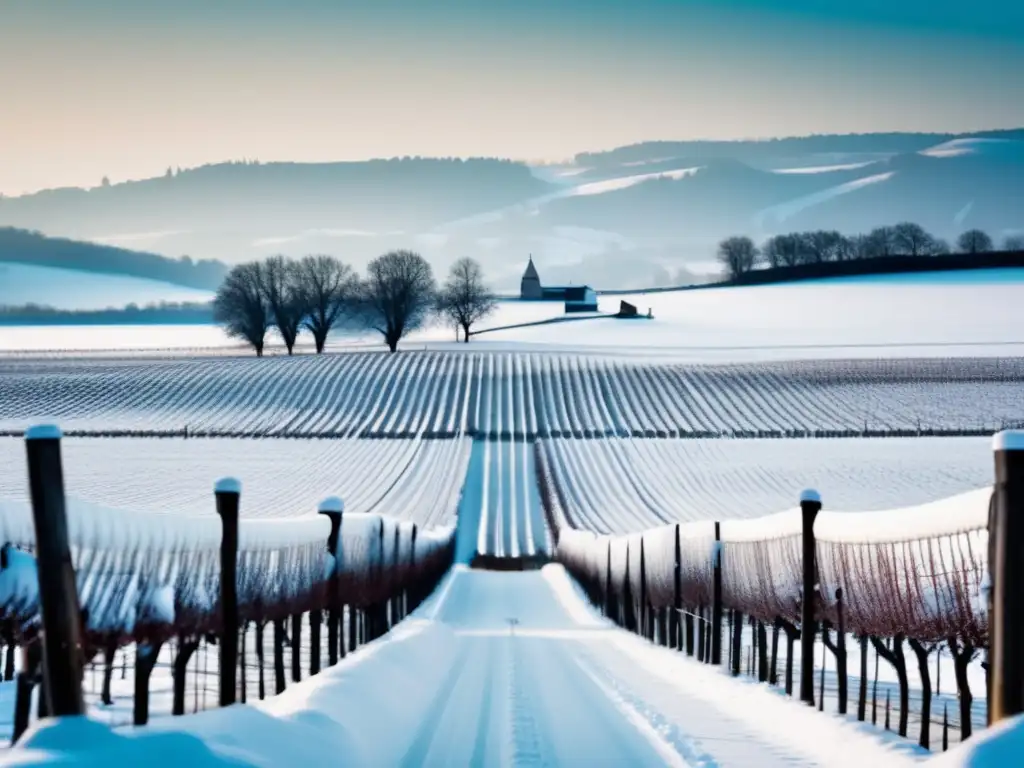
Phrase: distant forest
x=164 y=313
x=21 y=246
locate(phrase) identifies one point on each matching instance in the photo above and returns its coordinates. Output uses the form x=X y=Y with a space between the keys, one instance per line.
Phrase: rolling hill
x=631 y=217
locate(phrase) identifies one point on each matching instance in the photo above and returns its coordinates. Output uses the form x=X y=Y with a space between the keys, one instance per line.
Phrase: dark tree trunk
x=179 y=672
x=333 y=625
x=9 y=663
x=737 y=642
x=773 y=672
x=962 y=655
x=260 y=659
x=862 y=692
x=145 y=660
x=296 y=639
x=315 y=620
x=279 y=641
x=792 y=635
x=241 y=662
x=838 y=649
x=762 y=653
x=109 y=652
x=465 y=332
x=353 y=621
x=688 y=631
x=899 y=662
x=926 y=692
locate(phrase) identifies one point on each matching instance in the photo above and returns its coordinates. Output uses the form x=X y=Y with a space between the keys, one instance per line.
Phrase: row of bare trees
x=740 y=255
x=319 y=293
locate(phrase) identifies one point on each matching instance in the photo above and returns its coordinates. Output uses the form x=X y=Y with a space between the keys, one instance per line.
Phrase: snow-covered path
x=538 y=679
x=494 y=669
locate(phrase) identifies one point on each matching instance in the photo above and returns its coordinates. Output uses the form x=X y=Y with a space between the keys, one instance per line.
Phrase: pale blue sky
x=127 y=88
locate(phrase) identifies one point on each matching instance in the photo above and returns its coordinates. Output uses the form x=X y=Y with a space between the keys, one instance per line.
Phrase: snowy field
x=614 y=485
x=887 y=316
x=622 y=486
x=417 y=480
x=452 y=393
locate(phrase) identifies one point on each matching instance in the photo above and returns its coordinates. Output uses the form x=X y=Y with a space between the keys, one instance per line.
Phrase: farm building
x=577 y=298
x=581 y=298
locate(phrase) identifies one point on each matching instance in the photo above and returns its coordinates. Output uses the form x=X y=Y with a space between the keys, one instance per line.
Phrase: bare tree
x=282 y=291
x=397 y=295
x=329 y=289
x=822 y=245
x=881 y=241
x=910 y=239
x=464 y=299
x=974 y=241
x=783 y=250
x=738 y=255
x=1014 y=243
x=240 y=305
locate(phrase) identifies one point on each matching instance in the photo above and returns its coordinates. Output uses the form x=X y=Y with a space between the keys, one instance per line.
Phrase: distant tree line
x=161 y=312
x=319 y=293
x=21 y=246
x=740 y=255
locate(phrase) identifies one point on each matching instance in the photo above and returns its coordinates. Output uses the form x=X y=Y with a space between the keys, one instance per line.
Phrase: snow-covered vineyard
x=519 y=457
x=444 y=394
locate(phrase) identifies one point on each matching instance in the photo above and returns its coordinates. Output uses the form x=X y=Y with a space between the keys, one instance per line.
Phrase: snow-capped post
x=1006 y=577
x=716 y=598
x=810 y=505
x=333 y=507
x=228 y=491
x=58 y=593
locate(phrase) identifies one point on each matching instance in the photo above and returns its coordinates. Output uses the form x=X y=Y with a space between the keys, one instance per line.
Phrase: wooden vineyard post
x=228 y=491
x=333 y=508
x=716 y=598
x=810 y=505
x=1006 y=578
x=58 y=593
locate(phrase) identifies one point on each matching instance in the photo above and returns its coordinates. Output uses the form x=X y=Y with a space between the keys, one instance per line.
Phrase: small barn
x=580 y=298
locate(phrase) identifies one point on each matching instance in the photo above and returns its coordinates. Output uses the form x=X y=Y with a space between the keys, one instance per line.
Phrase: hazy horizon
x=126 y=89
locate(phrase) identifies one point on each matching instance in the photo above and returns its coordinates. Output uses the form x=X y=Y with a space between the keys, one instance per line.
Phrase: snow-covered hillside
x=922 y=314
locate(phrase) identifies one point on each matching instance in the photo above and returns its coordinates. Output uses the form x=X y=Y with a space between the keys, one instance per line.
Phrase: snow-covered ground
x=495 y=669
x=625 y=486
x=886 y=316
x=938 y=314
x=418 y=480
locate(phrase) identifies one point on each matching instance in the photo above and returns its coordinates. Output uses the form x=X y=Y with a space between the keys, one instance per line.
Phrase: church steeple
x=529 y=287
